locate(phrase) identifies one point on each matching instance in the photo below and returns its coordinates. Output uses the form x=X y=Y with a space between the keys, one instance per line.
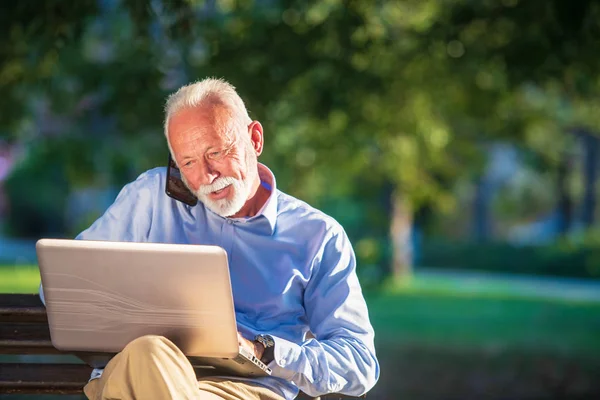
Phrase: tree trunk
x=590 y=170
x=401 y=236
x=565 y=204
x=481 y=210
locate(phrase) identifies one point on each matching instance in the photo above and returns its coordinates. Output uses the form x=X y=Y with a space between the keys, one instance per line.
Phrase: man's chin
x=222 y=208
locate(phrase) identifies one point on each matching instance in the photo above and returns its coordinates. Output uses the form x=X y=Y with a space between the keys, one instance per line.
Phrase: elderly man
x=292 y=267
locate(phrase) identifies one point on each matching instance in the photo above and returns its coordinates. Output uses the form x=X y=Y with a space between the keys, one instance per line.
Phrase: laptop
x=101 y=295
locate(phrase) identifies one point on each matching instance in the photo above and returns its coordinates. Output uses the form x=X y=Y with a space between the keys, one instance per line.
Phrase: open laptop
x=101 y=295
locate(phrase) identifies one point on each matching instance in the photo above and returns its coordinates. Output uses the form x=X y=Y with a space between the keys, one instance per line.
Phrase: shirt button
x=229 y=221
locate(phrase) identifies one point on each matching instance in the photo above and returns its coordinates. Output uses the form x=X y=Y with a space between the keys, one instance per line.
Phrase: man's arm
x=341 y=357
x=128 y=219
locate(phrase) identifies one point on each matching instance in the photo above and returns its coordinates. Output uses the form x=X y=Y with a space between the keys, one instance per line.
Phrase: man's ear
x=255 y=130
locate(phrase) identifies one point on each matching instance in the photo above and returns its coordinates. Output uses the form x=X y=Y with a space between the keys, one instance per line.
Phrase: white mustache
x=218 y=184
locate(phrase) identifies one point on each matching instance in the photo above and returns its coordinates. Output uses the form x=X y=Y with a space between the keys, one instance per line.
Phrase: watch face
x=265 y=340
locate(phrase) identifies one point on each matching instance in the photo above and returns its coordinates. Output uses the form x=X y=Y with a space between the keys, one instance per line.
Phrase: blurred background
x=457 y=142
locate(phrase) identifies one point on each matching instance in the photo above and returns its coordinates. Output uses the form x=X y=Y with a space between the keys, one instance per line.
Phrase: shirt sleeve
x=341 y=358
x=128 y=219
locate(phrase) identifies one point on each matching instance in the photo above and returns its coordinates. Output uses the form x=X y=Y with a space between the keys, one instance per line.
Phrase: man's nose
x=208 y=173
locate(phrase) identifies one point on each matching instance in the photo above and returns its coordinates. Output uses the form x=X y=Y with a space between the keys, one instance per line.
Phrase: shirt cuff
x=41 y=293
x=286 y=355
x=96 y=374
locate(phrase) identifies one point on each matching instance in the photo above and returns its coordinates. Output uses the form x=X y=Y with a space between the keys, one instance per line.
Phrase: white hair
x=209 y=91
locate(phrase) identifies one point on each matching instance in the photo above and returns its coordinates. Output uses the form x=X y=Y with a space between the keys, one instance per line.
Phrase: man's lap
x=153 y=367
x=210 y=388
x=233 y=390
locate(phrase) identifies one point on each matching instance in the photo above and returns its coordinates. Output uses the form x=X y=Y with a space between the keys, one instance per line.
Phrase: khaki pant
x=152 y=367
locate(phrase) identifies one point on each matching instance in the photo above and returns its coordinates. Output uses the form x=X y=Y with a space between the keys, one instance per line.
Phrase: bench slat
x=43 y=378
x=25 y=339
x=67 y=379
x=26 y=300
x=22 y=308
x=24 y=330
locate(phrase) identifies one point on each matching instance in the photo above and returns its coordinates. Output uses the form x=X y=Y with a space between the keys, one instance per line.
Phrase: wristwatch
x=269 y=345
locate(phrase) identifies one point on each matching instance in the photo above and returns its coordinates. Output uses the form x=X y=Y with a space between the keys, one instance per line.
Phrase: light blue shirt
x=292 y=271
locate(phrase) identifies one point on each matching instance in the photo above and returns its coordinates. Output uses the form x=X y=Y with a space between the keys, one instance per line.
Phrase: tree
x=399 y=94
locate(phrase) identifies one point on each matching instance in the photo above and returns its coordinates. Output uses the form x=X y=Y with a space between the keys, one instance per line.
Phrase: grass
x=19 y=279
x=486 y=323
x=489 y=314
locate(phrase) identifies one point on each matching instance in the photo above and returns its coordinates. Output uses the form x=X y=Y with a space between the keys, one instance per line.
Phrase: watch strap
x=269 y=345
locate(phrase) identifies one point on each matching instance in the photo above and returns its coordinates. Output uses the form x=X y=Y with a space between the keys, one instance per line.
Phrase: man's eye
x=215 y=154
x=189 y=163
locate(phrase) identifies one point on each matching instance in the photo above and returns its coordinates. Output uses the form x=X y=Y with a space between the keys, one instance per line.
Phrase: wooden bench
x=24 y=331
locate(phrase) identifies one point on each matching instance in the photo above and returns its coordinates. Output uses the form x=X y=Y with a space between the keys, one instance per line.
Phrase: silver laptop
x=102 y=295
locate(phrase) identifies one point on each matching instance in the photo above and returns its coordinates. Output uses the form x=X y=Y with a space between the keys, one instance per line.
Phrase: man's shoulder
x=153 y=175
x=146 y=185
x=150 y=179
x=303 y=215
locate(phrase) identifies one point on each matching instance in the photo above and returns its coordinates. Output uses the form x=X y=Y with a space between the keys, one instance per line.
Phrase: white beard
x=223 y=207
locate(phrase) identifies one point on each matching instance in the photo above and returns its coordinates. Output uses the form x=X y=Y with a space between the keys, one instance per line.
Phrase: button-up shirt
x=292 y=271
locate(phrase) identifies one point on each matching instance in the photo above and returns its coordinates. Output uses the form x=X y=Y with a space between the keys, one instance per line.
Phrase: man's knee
x=149 y=344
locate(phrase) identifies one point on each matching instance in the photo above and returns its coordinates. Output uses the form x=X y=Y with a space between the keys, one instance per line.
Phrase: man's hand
x=252 y=346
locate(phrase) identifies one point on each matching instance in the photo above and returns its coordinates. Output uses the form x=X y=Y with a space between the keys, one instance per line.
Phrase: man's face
x=219 y=168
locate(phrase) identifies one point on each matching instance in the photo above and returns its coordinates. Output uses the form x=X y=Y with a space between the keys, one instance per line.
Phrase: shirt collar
x=269 y=209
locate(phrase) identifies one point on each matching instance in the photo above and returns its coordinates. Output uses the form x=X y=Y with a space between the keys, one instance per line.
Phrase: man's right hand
x=253 y=347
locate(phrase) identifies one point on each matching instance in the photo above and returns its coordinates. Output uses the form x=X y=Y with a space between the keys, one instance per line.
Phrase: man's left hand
x=252 y=346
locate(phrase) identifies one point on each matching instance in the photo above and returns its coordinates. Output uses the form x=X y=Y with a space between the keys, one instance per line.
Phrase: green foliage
x=358 y=99
x=38 y=189
x=578 y=260
x=33 y=37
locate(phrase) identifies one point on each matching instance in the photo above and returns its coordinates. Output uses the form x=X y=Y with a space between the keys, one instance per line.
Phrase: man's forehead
x=191 y=134
x=200 y=138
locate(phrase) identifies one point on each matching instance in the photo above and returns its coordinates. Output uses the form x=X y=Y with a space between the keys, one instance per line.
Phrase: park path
x=17 y=251
x=513 y=284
